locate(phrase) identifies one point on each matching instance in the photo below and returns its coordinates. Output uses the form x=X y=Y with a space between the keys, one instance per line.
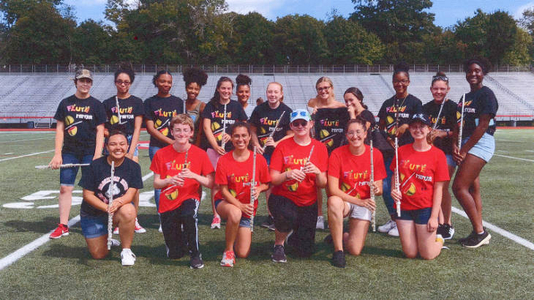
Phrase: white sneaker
x=127 y=257
x=320 y=223
x=115 y=243
x=394 y=231
x=116 y=230
x=387 y=227
x=159 y=229
x=139 y=228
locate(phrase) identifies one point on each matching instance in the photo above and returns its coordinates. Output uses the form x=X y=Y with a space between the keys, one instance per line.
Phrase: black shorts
x=301 y=219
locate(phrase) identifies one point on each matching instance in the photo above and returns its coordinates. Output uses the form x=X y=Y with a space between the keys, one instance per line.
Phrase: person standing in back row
x=79 y=140
x=395 y=114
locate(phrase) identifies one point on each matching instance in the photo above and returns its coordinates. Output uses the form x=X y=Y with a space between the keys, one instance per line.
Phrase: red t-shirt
x=237 y=176
x=418 y=171
x=289 y=155
x=354 y=172
x=167 y=163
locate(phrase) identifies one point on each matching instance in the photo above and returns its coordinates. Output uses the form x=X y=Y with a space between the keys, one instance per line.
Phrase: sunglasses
x=301 y=123
x=439 y=77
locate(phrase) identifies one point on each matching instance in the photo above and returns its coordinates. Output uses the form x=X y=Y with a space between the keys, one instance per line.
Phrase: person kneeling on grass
x=422 y=173
x=234 y=175
x=99 y=187
x=298 y=167
x=349 y=171
x=179 y=170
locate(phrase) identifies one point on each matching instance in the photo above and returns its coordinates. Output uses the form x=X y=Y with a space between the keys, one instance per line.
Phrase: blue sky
x=447 y=12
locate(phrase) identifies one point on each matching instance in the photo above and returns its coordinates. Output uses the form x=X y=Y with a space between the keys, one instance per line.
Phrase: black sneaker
x=441 y=229
x=279 y=255
x=463 y=240
x=196 y=262
x=478 y=240
x=338 y=260
x=268 y=222
x=447 y=231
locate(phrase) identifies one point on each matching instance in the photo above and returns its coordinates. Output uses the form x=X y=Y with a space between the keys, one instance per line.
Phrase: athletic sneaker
x=279 y=256
x=61 y=230
x=268 y=222
x=160 y=229
x=439 y=238
x=446 y=230
x=320 y=223
x=116 y=230
x=196 y=262
x=138 y=227
x=478 y=240
x=115 y=243
x=387 y=227
x=394 y=231
x=463 y=240
x=127 y=257
x=216 y=222
x=338 y=260
x=228 y=259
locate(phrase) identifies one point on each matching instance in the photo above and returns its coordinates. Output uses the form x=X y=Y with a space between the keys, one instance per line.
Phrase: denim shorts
x=129 y=138
x=93 y=227
x=245 y=222
x=450 y=160
x=67 y=176
x=419 y=216
x=484 y=149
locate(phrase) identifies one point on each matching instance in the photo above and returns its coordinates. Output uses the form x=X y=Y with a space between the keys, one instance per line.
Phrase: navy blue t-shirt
x=405 y=108
x=98 y=180
x=264 y=118
x=81 y=117
x=477 y=103
x=234 y=112
x=161 y=111
x=129 y=108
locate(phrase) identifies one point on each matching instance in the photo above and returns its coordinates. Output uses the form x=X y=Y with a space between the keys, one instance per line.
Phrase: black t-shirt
x=369 y=117
x=81 y=117
x=330 y=126
x=98 y=178
x=477 y=103
x=161 y=111
x=130 y=108
x=405 y=108
x=264 y=118
x=234 y=112
x=446 y=122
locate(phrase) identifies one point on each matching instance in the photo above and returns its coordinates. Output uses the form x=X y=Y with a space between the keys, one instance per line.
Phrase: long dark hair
x=239 y=124
x=357 y=93
x=216 y=96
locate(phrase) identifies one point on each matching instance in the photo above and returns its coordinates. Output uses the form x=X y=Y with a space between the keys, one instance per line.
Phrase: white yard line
x=499 y=230
x=26 y=140
x=516 y=158
x=21 y=252
x=26 y=155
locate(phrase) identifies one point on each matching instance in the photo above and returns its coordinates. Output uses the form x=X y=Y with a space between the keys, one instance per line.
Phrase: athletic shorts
x=419 y=216
x=214 y=157
x=129 y=138
x=484 y=149
x=450 y=160
x=67 y=176
x=358 y=212
x=93 y=227
x=244 y=222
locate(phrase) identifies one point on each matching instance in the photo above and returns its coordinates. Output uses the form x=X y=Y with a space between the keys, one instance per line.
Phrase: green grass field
x=64 y=269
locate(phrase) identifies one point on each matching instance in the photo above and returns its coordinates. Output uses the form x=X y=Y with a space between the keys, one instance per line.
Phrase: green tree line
x=205 y=32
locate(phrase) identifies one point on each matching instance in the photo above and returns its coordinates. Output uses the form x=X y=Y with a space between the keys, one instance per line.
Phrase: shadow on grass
x=42 y=226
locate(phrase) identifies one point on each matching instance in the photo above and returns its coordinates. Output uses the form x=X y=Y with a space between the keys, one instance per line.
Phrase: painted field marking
x=516 y=158
x=26 y=155
x=21 y=252
x=25 y=140
x=499 y=230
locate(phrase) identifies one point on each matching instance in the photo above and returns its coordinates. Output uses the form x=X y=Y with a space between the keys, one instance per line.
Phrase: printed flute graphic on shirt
x=330 y=125
x=70 y=123
x=164 y=117
x=218 y=124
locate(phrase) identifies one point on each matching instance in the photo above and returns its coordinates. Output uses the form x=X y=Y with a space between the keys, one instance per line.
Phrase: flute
x=224 y=128
x=275 y=127
x=110 y=215
x=397 y=180
x=62 y=166
x=461 y=124
x=252 y=187
x=372 y=187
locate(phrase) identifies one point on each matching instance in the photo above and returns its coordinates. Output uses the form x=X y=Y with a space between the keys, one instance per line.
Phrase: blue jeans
x=386 y=186
x=151 y=152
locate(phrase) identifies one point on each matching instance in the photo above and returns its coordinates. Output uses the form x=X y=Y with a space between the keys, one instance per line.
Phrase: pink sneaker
x=228 y=259
x=216 y=223
x=60 y=231
x=138 y=227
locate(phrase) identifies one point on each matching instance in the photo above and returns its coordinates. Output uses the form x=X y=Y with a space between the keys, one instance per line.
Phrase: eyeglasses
x=323 y=88
x=120 y=82
x=355 y=133
x=404 y=81
x=439 y=77
x=301 y=123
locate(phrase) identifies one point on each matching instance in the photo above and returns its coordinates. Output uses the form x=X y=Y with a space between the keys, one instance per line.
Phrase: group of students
x=408 y=158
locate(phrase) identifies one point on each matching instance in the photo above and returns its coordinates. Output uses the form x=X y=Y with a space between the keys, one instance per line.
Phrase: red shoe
x=60 y=231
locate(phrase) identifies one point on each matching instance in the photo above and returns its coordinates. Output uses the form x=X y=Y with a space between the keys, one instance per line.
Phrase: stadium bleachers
x=37 y=95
